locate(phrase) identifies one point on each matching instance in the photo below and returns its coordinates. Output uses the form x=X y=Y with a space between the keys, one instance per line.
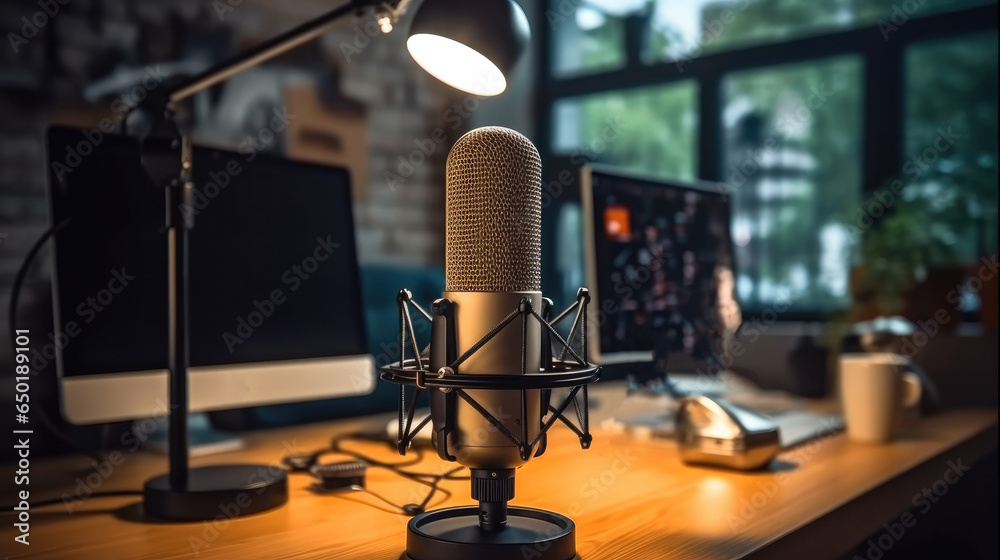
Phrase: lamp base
x=455 y=533
x=217 y=491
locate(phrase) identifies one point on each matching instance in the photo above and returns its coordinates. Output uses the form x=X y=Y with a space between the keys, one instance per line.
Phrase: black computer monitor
x=660 y=266
x=275 y=298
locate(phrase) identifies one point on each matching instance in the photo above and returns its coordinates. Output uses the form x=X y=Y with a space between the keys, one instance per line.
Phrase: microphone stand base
x=455 y=533
x=214 y=491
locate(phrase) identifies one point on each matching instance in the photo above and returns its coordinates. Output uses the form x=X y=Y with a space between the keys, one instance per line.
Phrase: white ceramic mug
x=875 y=390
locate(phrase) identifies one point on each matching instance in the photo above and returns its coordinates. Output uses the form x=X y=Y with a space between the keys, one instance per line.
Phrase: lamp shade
x=469 y=45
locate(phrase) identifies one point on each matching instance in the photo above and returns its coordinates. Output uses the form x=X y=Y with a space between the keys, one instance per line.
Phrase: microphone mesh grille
x=493 y=237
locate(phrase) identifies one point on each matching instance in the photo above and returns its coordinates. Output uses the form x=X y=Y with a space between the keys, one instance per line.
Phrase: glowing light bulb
x=385 y=24
x=456 y=64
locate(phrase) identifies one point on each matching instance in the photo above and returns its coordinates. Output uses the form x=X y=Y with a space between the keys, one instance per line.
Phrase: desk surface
x=630 y=498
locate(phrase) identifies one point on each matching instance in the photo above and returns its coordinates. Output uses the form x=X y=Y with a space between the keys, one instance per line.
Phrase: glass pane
x=791 y=161
x=686 y=29
x=649 y=130
x=587 y=36
x=951 y=139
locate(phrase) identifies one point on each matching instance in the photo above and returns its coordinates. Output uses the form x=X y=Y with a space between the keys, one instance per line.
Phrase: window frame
x=883 y=61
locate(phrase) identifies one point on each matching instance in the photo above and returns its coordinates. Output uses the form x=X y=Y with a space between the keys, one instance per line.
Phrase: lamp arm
x=278 y=46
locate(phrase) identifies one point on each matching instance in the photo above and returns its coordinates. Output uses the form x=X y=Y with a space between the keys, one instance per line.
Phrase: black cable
x=395 y=467
x=416 y=509
x=22 y=273
x=431 y=480
x=434 y=485
x=54 y=501
x=335 y=448
x=384 y=500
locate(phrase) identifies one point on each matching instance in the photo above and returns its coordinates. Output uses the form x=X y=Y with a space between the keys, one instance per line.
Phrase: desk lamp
x=471 y=46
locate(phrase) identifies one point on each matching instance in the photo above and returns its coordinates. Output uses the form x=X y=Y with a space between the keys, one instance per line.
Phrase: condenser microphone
x=491 y=363
x=493 y=252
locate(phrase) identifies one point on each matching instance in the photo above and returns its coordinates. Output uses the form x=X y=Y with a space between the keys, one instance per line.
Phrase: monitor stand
x=203 y=438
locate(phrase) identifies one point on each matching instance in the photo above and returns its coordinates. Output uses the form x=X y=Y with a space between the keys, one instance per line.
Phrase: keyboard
x=800 y=426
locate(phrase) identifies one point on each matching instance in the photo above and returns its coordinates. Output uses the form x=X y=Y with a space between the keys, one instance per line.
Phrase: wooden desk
x=630 y=499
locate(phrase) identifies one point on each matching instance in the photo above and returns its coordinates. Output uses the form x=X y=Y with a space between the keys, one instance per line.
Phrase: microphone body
x=492 y=265
x=473 y=440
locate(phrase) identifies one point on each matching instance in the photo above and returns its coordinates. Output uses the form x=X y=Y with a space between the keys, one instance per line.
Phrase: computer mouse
x=714 y=431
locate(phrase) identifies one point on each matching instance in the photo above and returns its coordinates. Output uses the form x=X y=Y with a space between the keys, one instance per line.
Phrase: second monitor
x=660 y=266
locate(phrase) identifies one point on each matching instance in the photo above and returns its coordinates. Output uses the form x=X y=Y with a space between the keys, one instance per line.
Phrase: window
x=680 y=30
x=799 y=109
x=791 y=139
x=590 y=35
x=651 y=130
x=587 y=37
x=951 y=135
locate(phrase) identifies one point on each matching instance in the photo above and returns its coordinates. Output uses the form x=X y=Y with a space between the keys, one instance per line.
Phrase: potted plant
x=910 y=261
